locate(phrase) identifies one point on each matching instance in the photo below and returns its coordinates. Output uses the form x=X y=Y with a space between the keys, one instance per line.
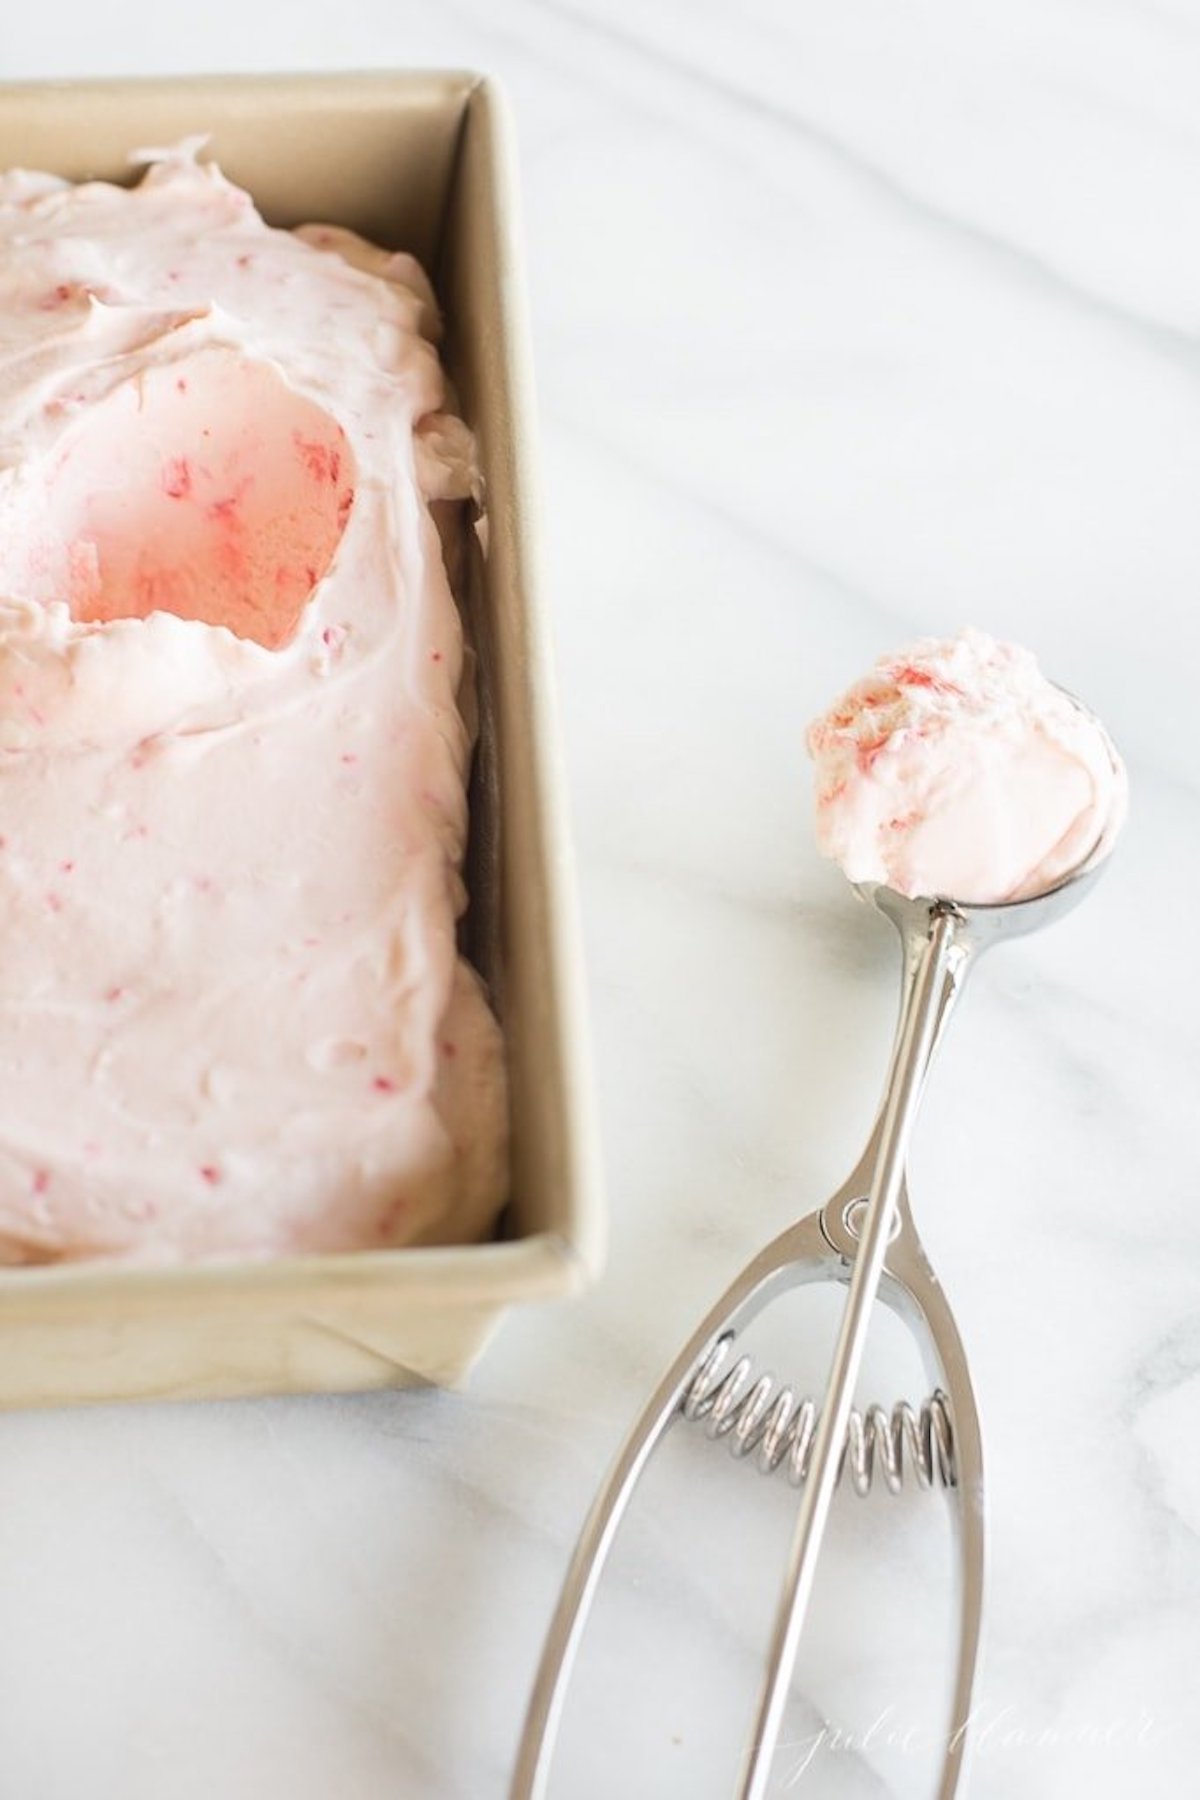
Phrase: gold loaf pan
x=420 y=162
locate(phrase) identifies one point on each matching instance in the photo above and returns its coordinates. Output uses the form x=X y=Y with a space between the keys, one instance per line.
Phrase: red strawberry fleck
x=907 y=675
x=56 y=297
x=313 y=454
x=210 y=1173
x=41 y=1180
x=383 y=1084
x=389 y=1224
x=177 y=478
x=870 y=747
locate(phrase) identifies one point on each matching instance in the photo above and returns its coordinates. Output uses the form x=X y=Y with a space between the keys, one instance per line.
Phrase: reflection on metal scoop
x=863 y=1236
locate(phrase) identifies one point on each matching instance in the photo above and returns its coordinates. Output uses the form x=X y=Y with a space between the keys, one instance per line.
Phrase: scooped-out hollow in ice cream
x=956 y=769
x=208 y=489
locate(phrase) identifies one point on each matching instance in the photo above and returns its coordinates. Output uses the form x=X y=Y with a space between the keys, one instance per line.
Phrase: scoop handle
x=932 y=965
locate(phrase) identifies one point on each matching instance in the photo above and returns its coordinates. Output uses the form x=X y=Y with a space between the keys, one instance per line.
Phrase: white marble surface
x=851 y=322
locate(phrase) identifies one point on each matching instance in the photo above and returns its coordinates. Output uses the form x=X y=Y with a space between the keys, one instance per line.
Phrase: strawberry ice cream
x=955 y=769
x=233 y=1016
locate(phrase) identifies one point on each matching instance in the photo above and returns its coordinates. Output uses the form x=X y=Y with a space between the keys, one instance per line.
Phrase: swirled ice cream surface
x=955 y=769
x=234 y=1021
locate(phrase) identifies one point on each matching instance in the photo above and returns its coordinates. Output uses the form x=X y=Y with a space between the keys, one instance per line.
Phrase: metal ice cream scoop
x=863 y=1236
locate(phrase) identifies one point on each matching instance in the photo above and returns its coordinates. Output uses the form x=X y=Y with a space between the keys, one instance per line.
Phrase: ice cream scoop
x=956 y=768
x=864 y=1235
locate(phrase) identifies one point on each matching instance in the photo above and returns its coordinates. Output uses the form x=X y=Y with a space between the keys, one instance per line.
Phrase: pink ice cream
x=956 y=769
x=233 y=1016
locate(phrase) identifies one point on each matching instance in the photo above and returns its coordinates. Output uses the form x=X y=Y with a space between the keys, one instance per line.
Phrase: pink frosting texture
x=234 y=1021
x=955 y=769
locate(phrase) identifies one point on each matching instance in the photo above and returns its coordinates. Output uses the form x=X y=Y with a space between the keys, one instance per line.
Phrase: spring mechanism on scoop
x=769 y=1423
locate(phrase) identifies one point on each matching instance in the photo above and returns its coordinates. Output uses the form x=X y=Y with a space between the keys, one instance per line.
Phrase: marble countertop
x=851 y=323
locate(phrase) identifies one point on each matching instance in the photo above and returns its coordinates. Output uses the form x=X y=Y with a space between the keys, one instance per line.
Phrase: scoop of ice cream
x=956 y=769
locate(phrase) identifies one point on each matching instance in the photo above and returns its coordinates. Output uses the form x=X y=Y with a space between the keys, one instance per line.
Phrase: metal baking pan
x=420 y=162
